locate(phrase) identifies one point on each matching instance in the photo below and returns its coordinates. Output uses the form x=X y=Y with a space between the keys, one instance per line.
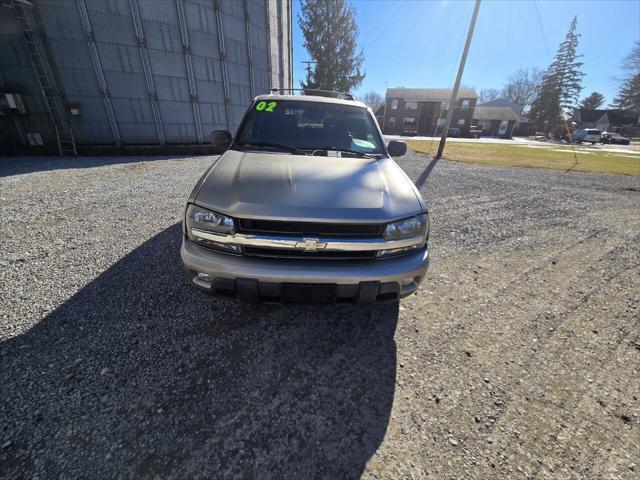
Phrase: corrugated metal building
x=136 y=72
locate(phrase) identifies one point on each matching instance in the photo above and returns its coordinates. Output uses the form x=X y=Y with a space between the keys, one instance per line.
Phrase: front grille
x=310 y=228
x=319 y=255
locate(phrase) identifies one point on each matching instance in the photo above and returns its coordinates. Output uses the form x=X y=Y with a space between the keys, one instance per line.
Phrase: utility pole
x=308 y=67
x=456 y=87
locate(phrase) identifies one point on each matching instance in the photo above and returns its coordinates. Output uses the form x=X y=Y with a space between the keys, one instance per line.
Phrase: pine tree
x=629 y=96
x=545 y=109
x=592 y=102
x=330 y=34
x=561 y=83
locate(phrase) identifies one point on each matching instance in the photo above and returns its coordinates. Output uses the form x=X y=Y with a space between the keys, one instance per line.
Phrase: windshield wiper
x=281 y=146
x=348 y=150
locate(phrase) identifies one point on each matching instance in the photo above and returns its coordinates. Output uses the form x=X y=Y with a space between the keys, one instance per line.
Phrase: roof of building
x=591 y=115
x=615 y=117
x=503 y=102
x=483 y=112
x=623 y=117
x=429 y=94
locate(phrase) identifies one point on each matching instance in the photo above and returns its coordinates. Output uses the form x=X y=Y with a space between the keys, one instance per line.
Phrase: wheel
x=593 y=143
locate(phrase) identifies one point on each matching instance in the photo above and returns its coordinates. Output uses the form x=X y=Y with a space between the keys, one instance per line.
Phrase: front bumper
x=256 y=279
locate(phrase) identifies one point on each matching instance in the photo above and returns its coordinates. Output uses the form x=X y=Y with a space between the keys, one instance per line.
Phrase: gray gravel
x=518 y=358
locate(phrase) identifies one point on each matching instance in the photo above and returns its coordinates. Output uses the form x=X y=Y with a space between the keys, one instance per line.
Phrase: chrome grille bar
x=308 y=244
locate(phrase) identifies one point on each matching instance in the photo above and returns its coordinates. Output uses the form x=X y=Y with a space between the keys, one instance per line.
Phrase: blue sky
x=417 y=43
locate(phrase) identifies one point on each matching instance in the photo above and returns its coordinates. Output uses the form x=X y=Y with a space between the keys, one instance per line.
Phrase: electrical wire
x=389 y=24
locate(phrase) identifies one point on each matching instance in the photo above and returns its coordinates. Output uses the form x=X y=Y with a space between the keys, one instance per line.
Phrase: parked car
x=306 y=204
x=472 y=132
x=615 y=138
x=453 y=132
x=587 y=135
x=410 y=129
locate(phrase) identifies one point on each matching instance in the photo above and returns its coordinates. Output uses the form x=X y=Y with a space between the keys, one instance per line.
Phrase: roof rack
x=315 y=91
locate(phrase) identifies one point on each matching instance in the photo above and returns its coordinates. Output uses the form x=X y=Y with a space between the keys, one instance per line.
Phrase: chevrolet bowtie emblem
x=311 y=244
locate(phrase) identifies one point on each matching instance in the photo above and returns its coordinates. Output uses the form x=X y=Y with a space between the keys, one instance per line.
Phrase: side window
x=394 y=103
x=392 y=121
x=409 y=120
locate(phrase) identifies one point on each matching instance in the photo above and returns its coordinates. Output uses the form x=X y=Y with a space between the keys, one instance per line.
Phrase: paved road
x=518 y=358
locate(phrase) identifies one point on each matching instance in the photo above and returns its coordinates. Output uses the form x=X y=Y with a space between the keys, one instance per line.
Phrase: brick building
x=425 y=109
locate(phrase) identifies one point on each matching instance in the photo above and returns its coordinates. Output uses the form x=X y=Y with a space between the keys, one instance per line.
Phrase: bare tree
x=488 y=94
x=522 y=87
x=372 y=99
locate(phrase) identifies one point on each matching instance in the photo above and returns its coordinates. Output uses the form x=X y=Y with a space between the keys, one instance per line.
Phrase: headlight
x=202 y=219
x=414 y=227
x=417 y=226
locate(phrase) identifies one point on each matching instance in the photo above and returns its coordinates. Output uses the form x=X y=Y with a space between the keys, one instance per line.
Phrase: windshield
x=310 y=126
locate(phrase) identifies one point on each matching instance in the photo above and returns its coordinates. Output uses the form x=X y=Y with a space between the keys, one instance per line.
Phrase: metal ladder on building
x=44 y=73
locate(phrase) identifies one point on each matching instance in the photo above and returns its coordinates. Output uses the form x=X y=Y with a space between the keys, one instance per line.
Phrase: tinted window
x=311 y=125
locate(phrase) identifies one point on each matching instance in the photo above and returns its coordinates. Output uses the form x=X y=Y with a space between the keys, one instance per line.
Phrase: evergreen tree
x=629 y=96
x=592 y=102
x=330 y=34
x=561 y=83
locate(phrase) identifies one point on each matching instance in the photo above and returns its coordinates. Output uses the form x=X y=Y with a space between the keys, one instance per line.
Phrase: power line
x=389 y=24
x=308 y=67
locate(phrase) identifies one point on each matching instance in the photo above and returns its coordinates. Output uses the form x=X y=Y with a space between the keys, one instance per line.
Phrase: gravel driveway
x=518 y=358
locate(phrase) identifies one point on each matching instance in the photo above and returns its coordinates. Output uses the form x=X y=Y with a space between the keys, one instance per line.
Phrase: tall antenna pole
x=308 y=67
x=456 y=87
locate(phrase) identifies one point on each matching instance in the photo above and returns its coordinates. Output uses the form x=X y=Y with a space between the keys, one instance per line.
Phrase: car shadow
x=138 y=375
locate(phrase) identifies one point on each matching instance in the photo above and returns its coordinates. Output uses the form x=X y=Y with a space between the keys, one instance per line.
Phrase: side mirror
x=396 y=148
x=220 y=138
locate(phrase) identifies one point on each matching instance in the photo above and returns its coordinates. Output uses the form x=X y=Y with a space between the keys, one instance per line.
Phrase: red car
x=410 y=129
x=473 y=132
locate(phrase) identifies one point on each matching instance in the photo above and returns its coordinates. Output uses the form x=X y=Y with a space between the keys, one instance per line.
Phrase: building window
x=465 y=104
x=409 y=120
x=411 y=105
x=392 y=121
x=394 y=104
x=444 y=105
x=461 y=122
x=441 y=122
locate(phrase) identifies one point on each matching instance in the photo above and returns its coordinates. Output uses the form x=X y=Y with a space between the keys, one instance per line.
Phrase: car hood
x=307 y=188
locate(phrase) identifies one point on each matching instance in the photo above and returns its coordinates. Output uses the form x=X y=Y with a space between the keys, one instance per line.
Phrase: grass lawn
x=556 y=157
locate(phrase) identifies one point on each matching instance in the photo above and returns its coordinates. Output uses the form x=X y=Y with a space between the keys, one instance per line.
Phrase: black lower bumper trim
x=253 y=291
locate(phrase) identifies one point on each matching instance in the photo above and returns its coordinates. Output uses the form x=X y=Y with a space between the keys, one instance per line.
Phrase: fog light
x=205 y=277
x=407 y=281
